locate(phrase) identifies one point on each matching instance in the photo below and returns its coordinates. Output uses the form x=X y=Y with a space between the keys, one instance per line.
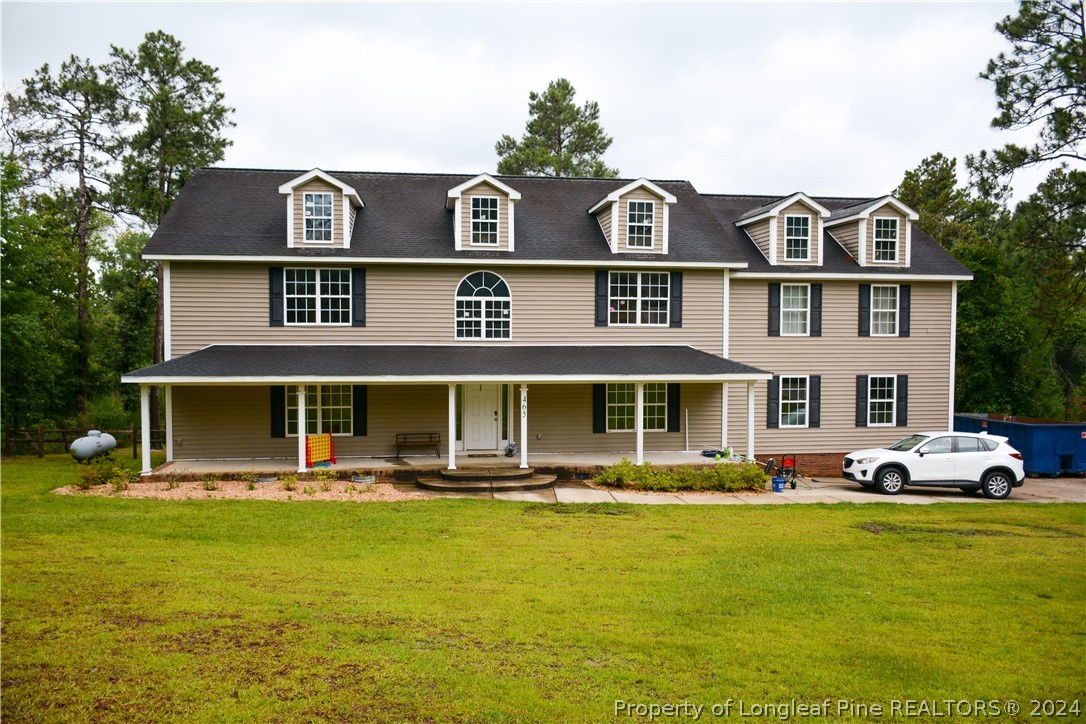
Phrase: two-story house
x=567 y=315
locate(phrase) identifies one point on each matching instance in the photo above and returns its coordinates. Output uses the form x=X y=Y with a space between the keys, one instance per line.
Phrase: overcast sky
x=827 y=98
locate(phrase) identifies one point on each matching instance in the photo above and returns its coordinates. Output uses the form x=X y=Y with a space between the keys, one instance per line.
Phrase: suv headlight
x=866 y=461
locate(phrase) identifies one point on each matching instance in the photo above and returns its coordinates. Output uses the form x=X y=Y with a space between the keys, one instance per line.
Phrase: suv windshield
x=908 y=443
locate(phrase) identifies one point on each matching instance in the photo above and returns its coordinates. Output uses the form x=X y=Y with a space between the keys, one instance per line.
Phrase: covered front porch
x=236 y=408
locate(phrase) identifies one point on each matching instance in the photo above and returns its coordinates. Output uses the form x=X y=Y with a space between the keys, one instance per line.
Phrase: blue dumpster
x=1048 y=446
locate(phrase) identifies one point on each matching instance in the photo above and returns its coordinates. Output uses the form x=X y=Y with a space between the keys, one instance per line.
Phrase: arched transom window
x=482 y=307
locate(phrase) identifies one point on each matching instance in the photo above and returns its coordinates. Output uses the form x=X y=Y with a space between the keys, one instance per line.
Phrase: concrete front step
x=534 y=482
x=477 y=474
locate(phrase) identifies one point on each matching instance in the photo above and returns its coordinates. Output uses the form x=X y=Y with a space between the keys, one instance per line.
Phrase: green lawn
x=489 y=610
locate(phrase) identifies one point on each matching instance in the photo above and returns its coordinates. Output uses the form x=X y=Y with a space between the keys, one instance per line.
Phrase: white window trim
x=897 y=310
x=645 y=407
x=287 y=408
x=810 y=226
x=639 y=323
x=652 y=226
x=497 y=223
x=806 y=401
x=331 y=217
x=807 y=332
x=484 y=338
x=318 y=323
x=893 y=401
x=874 y=240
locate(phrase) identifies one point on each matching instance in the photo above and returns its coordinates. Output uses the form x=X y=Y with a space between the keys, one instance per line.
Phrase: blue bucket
x=778 y=485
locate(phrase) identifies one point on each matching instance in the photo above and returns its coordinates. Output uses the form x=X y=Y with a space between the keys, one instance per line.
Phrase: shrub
x=210 y=481
x=309 y=490
x=325 y=474
x=726 y=477
x=290 y=483
x=105 y=470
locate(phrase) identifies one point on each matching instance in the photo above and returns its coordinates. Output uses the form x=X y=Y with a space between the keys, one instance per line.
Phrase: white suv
x=941 y=459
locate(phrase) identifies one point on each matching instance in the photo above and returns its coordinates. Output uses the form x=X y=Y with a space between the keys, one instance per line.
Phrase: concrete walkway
x=818 y=490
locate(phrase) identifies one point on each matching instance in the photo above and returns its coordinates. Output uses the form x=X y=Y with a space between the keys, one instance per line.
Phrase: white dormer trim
x=458 y=230
x=350 y=197
x=641 y=183
x=614 y=227
x=865 y=212
x=458 y=191
x=776 y=209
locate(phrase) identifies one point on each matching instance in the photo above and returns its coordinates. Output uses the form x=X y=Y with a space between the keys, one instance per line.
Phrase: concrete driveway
x=817 y=490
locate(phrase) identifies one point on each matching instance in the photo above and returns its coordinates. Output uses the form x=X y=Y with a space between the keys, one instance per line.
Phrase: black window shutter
x=816 y=310
x=278 y=411
x=902 y=400
x=275 y=296
x=601 y=297
x=904 y=309
x=865 y=310
x=360 y=400
x=358 y=296
x=775 y=310
x=861 y=400
x=599 y=408
x=773 y=409
x=814 y=397
x=676 y=312
x=674 y=408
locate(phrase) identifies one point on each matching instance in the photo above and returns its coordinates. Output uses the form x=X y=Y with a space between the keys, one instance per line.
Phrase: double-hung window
x=881 y=400
x=795 y=309
x=328 y=409
x=317 y=296
x=639 y=220
x=797 y=238
x=622 y=407
x=885 y=239
x=484 y=220
x=884 y=310
x=483 y=307
x=794 y=401
x=638 y=298
x=318 y=217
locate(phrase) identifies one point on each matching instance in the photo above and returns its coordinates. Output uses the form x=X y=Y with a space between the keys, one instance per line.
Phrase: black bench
x=418 y=439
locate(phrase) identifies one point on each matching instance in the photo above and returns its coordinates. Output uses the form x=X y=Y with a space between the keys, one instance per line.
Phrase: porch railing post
x=524 y=426
x=750 y=420
x=724 y=416
x=639 y=422
x=145 y=428
x=452 y=427
x=301 y=429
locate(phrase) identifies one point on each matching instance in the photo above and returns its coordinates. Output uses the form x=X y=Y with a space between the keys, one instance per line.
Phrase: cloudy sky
x=766 y=98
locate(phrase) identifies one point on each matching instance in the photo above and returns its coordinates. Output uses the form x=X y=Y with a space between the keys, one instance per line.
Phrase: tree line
x=95 y=155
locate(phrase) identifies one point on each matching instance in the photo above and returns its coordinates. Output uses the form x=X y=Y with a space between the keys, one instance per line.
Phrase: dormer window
x=484 y=220
x=639 y=224
x=318 y=217
x=885 y=239
x=797 y=238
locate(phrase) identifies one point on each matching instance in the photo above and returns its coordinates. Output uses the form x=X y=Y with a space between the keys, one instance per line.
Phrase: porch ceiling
x=374 y=364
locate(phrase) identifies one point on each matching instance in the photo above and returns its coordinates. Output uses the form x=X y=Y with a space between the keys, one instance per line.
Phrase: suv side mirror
x=924 y=451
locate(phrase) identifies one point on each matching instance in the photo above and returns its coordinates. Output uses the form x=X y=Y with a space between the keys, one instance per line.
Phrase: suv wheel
x=890 y=481
x=997 y=485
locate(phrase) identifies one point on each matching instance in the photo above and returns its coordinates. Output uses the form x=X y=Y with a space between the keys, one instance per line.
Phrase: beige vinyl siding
x=318 y=186
x=657 y=220
x=838 y=356
x=759 y=233
x=886 y=211
x=227 y=303
x=350 y=226
x=798 y=209
x=485 y=189
x=604 y=217
x=848 y=236
x=235 y=422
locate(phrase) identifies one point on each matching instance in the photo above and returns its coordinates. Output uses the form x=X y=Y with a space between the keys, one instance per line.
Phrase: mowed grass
x=489 y=610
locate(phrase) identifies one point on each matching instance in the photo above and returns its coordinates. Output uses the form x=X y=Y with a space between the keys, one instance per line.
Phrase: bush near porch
x=724 y=477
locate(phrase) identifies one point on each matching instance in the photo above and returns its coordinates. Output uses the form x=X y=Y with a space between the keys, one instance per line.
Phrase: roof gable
x=457 y=191
x=642 y=183
x=773 y=208
x=348 y=191
x=864 y=209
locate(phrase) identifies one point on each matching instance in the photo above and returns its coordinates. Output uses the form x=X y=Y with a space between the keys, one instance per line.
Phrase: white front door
x=481 y=417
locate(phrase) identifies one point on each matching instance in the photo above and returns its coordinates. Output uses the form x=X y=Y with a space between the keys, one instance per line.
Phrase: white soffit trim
x=862 y=276
x=456 y=192
x=641 y=183
x=340 y=260
x=439 y=379
x=780 y=206
x=868 y=209
x=348 y=191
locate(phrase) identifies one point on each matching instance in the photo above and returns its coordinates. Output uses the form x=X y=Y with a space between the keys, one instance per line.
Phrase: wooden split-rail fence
x=40 y=440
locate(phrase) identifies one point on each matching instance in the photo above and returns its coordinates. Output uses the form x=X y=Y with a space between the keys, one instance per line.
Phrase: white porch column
x=724 y=416
x=145 y=429
x=524 y=427
x=301 y=429
x=639 y=422
x=750 y=420
x=452 y=427
x=169 y=423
